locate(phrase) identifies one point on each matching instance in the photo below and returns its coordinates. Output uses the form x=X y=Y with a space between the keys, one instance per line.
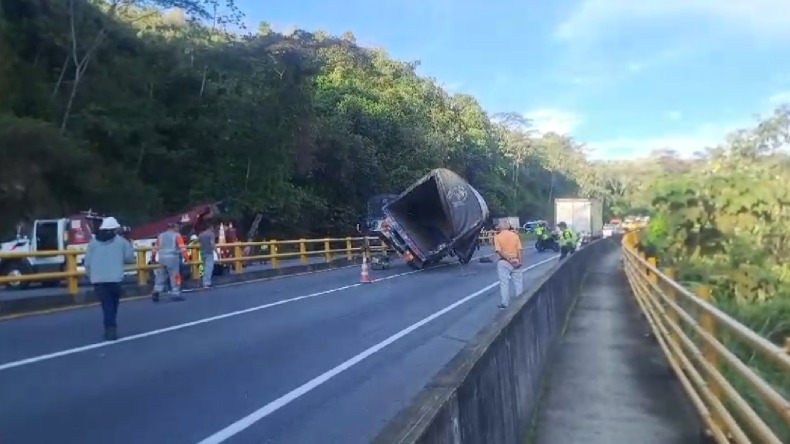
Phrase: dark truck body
x=439 y=215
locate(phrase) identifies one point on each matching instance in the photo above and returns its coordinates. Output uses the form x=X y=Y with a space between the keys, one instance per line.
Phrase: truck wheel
x=17 y=268
x=466 y=259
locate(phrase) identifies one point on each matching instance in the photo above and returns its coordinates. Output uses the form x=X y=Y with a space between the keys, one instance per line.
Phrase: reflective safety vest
x=567 y=236
x=540 y=232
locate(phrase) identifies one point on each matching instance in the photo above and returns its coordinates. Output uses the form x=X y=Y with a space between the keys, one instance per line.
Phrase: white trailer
x=584 y=216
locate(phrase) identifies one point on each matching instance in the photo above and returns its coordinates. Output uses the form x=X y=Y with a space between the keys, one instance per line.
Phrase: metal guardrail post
x=195 y=259
x=708 y=324
x=652 y=277
x=142 y=271
x=238 y=263
x=273 y=252
x=327 y=250
x=670 y=292
x=642 y=269
x=349 y=251
x=73 y=280
x=302 y=252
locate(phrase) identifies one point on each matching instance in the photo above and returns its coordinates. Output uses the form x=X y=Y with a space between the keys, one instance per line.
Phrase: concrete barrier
x=488 y=393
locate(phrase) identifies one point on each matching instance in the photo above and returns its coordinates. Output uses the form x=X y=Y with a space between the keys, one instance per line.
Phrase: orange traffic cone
x=365 y=276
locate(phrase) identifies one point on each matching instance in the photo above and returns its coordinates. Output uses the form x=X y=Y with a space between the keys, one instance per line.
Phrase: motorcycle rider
x=567 y=240
x=542 y=232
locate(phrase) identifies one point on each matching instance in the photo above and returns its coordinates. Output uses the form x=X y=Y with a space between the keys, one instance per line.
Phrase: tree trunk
x=203 y=80
x=56 y=89
x=80 y=65
x=247 y=177
x=140 y=157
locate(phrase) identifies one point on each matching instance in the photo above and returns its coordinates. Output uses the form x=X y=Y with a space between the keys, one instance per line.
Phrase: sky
x=622 y=76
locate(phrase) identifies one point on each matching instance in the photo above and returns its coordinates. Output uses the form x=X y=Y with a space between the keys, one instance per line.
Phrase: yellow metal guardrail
x=699 y=341
x=303 y=249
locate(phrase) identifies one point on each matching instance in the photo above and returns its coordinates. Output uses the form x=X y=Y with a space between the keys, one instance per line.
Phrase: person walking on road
x=105 y=258
x=208 y=245
x=169 y=250
x=507 y=246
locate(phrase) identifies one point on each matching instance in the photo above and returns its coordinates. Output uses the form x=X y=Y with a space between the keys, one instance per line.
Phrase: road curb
x=41 y=304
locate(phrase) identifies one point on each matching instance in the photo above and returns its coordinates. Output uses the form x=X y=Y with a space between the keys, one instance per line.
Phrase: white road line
x=84 y=348
x=244 y=423
x=160 y=331
x=97 y=345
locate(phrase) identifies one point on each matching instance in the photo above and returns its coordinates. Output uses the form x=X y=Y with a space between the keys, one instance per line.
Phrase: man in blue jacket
x=105 y=258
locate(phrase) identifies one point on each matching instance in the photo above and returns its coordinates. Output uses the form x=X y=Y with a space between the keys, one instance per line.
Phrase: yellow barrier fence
x=734 y=399
x=242 y=254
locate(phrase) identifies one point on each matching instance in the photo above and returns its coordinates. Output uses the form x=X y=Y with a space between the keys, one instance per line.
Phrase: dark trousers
x=567 y=249
x=110 y=296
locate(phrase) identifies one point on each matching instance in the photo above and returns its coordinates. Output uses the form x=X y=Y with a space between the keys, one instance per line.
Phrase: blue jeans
x=109 y=293
x=208 y=269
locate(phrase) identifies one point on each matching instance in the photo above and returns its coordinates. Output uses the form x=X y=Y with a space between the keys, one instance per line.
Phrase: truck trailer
x=583 y=215
x=439 y=215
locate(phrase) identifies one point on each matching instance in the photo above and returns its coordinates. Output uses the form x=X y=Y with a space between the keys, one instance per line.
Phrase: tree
x=160 y=109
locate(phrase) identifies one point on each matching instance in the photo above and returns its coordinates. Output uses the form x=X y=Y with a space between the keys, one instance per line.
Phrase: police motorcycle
x=548 y=243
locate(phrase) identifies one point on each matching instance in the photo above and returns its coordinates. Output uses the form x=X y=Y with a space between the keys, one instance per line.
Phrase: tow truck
x=75 y=232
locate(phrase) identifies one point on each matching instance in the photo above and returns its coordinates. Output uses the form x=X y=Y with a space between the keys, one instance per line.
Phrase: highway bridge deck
x=302 y=359
x=610 y=382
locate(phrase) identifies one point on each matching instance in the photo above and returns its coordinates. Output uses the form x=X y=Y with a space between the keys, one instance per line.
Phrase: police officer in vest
x=567 y=240
x=542 y=232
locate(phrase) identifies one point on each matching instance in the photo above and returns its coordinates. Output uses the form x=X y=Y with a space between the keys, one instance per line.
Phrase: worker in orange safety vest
x=169 y=250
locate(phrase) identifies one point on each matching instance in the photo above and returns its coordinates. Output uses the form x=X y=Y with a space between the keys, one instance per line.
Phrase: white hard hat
x=109 y=223
x=193 y=238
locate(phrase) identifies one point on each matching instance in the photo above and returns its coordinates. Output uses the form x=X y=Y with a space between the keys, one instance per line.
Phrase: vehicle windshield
x=376 y=205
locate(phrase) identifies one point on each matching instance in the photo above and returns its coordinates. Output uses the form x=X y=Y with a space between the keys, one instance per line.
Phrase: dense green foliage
x=121 y=108
x=723 y=220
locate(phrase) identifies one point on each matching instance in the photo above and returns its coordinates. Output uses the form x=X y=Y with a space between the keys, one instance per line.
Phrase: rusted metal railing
x=699 y=341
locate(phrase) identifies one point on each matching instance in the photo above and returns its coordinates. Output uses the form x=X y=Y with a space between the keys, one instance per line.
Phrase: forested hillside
x=722 y=220
x=135 y=112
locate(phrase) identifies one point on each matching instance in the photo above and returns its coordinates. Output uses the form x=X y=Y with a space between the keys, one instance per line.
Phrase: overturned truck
x=440 y=215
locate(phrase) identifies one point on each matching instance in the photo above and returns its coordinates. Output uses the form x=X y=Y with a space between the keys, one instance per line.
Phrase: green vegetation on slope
x=723 y=220
x=139 y=113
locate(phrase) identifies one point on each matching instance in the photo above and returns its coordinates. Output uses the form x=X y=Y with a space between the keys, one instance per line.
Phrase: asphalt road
x=36 y=290
x=309 y=359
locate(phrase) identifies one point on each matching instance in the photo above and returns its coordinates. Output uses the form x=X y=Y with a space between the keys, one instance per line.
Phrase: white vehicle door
x=48 y=235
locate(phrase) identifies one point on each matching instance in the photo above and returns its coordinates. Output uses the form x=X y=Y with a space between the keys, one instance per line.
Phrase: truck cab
x=73 y=233
x=374 y=221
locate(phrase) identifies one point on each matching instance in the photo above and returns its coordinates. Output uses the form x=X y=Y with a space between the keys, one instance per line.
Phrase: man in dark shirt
x=208 y=244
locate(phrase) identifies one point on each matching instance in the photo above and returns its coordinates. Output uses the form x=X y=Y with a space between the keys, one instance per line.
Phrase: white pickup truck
x=72 y=233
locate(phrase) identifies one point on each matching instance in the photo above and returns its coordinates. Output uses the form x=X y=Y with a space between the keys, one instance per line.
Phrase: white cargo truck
x=584 y=216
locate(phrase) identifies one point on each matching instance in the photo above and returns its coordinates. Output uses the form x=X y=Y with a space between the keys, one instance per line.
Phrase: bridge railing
x=713 y=355
x=236 y=255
